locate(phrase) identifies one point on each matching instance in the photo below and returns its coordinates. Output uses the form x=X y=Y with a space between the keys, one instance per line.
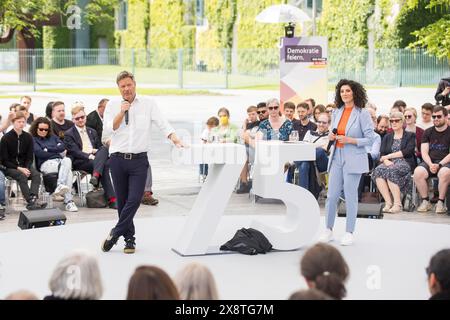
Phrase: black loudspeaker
x=41 y=218
x=365 y=210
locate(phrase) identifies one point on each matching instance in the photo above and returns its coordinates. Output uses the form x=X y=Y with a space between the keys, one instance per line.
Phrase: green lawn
x=108 y=73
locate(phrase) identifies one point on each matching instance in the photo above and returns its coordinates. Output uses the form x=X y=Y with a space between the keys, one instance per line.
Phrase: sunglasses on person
x=261 y=112
x=273 y=108
x=408 y=116
x=43 y=129
x=437 y=116
x=79 y=118
x=395 y=120
x=322 y=122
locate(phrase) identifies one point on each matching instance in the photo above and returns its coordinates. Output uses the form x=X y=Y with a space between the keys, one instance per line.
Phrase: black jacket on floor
x=16 y=151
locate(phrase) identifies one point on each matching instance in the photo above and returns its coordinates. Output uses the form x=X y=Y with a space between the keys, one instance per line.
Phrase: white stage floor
x=387 y=261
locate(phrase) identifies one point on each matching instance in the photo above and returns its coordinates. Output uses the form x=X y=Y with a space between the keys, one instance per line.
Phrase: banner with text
x=303 y=69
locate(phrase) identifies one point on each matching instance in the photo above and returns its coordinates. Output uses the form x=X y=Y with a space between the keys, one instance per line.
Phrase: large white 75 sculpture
x=225 y=164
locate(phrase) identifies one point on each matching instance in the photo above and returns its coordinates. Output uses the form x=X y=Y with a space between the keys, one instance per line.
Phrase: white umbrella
x=282 y=13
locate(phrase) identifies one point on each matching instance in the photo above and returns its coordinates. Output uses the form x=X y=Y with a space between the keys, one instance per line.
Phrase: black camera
x=289 y=30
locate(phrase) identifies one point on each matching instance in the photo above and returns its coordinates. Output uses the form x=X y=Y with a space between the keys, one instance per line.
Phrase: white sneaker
x=440 y=207
x=347 y=239
x=327 y=236
x=424 y=206
x=71 y=206
x=61 y=190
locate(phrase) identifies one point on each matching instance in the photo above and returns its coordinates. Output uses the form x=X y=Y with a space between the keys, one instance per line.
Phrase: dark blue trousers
x=129 y=178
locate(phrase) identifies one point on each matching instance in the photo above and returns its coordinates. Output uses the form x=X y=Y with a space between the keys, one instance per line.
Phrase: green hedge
x=411 y=19
x=55 y=38
x=221 y=16
x=255 y=35
x=136 y=35
x=344 y=22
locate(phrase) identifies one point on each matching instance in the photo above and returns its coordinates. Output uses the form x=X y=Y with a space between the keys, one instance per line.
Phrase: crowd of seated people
x=322 y=266
x=406 y=151
x=33 y=147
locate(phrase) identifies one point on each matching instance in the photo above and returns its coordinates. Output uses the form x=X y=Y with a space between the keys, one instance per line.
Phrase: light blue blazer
x=359 y=126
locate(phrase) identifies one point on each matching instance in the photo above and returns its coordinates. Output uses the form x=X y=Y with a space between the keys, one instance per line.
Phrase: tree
x=27 y=15
x=23 y=14
x=435 y=37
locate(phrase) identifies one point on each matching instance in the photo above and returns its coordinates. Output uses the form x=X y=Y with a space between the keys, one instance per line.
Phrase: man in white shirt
x=128 y=120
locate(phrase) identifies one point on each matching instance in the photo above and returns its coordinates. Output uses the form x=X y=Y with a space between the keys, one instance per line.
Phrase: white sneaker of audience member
x=71 y=207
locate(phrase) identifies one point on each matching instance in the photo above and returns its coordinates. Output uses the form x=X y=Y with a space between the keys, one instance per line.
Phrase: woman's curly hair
x=359 y=93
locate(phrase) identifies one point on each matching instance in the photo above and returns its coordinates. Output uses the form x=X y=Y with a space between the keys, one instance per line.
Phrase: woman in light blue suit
x=348 y=157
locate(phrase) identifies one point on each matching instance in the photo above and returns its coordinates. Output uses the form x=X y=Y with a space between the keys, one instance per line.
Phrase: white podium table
x=225 y=164
x=302 y=219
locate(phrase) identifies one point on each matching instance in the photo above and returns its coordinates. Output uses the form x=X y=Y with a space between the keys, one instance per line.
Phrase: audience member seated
x=311 y=104
x=22 y=295
x=310 y=294
x=318 y=109
x=304 y=124
x=26 y=102
x=250 y=124
x=225 y=132
x=398 y=106
x=442 y=95
x=59 y=122
x=371 y=105
x=95 y=118
x=249 y=136
x=7 y=122
x=330 y=108
x=436 y=161
x=50 y=156
x=275 y=127
x=373 y=151
x=324 y=269
x=22 y=109
x=196 y=282
x=427 y=111
x=410 y=119
x=205 y=137
x=151 y=283
x=48 y=110
x=16 y=153
x=319 y=138
x=373 y=116
x=2 y=187
x=88 y=284
x=261 y=110
x=373 y=154
x=87 y=153
x=397 y=160
x=382 y=125
x=438 y=272
x=289 y=110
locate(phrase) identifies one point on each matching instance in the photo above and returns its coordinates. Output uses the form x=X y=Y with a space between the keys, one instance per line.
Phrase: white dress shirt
x=134 y=137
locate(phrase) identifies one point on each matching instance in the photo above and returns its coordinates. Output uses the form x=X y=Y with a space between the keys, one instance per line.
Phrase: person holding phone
x=442 y=95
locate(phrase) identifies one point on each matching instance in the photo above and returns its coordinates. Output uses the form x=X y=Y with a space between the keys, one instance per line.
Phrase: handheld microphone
x=126 y=115
x=331 y=142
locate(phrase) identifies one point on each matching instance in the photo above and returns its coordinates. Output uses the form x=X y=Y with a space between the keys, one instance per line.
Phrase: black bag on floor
x=96 y=199
x=50 y=181
x=248 y=241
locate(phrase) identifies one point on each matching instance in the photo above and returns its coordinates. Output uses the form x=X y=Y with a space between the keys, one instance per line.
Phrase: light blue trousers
x=339 y=180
